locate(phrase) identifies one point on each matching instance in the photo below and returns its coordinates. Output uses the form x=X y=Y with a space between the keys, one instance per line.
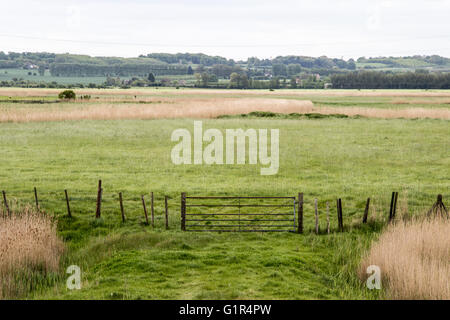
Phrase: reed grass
x=201 y=108
x=30 y=252
x=414 y=258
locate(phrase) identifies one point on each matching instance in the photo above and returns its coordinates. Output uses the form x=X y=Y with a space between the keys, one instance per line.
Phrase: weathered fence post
x=99 y=199
x=300 y=213
x=438 y=208
x=153 y=210
x=337 y=211
x=5 y=202
x=183 y=211
x=328 y=218
x=36 y=199
x=366 y=211
x=121 y=207
x=145 y=210
x=317 y=216
x=166 y=198
x=339 y=214
x=393 y=207
x=68 y=205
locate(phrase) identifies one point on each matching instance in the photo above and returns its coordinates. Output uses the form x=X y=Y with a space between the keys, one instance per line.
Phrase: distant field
x=171 y=103
x=324 y=157
x=9 y=74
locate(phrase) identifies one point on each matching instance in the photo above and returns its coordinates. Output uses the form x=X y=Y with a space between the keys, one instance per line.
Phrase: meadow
x=391 y=141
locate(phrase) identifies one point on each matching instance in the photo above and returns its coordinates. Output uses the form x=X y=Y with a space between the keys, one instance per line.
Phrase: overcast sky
x=233 y=28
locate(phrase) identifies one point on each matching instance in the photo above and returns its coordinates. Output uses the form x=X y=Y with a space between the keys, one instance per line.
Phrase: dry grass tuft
x=30 y=249
x=414 y=258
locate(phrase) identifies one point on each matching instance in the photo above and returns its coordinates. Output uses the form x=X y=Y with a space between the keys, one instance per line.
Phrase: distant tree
x=200 y=69
x=190 y=71
x=279 y=70
x=41 y=70
x=67 y=95
x=205 y=79
x=275 y=83
x=235 y=80
x=351 y=64
x=293 y=83
x=151 y=77
x=239 y=81
x=198 y=79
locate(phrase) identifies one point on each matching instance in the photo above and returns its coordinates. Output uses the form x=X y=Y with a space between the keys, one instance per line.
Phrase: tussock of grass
x=269 y=114
x=30 y=251
x=414 y=258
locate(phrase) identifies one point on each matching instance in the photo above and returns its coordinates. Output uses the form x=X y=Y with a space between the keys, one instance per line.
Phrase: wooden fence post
x=167 y=211
x=337 y=211
x=300 y=213
x=339 y=214
x=328 y=218
x=366 y=211
x=145 y=210
x=5 y=202
x=99 y=199
x=317 y=216
x=153 y=210
x=36 y=199
x=395 y=205
x=183 y=211
x=391 y=207
x=121 y=207
x=68 y=205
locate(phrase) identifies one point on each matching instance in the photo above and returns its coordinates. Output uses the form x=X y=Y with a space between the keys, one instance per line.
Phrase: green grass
x=9 y=74
x=325 y=158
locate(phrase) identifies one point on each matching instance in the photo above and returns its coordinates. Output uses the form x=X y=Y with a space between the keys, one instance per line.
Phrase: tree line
x=387 y=80
x=128 y=69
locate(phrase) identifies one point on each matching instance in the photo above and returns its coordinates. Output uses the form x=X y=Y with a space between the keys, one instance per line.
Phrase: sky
x=235 y=29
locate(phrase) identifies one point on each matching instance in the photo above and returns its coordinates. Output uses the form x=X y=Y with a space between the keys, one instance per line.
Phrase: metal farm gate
x=238 y=214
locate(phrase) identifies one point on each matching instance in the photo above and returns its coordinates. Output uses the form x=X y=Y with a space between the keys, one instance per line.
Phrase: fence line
x=244 y=221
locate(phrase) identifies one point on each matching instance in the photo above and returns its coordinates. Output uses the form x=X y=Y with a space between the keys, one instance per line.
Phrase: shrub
x=414 y=259
x=30 y=252
x=67 y=95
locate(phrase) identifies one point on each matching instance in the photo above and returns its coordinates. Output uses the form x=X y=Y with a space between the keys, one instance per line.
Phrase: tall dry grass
x=30 y=250
x=201 y=108
x=414 y=258
x=178 y=108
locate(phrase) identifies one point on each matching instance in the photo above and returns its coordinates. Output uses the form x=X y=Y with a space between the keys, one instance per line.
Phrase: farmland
x=333 y=144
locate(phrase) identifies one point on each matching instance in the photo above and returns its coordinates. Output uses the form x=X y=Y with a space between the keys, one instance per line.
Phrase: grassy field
x=326 y=158
x=23 y=105
x=10 y=74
